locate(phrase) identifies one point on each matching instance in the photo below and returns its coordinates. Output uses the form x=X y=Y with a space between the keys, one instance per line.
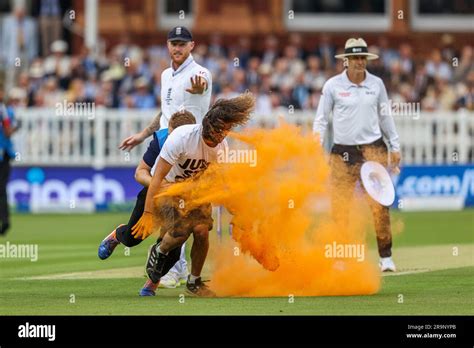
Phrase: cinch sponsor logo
x=42 y=191
x=446 y=185
x=37 y=331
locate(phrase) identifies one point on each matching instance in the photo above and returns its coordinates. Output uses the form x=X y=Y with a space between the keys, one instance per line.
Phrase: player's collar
x=183 y=66
x=349 y=83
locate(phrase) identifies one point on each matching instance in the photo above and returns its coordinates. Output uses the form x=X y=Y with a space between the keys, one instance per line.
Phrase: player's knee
x=179 y=234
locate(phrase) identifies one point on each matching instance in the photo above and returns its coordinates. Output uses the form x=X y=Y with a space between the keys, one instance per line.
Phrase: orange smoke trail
x=280 y=243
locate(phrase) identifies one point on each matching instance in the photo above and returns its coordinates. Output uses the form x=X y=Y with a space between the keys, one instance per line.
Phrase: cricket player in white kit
x=185 y=85
x=361 y=118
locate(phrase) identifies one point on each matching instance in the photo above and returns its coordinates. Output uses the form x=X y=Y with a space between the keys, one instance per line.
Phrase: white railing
x=92 y=140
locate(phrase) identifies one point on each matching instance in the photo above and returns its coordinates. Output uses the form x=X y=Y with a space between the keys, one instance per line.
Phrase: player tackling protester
x=188 y=151
x=143 y=174
x=185 y=85
x=361 y=119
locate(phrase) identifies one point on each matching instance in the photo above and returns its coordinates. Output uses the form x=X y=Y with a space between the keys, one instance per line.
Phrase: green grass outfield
x=431 y=280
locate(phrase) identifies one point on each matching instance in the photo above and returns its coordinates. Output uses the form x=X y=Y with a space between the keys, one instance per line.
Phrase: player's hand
x=198 y=85
x=132 y=141
x=395 y=161
x=144 y=227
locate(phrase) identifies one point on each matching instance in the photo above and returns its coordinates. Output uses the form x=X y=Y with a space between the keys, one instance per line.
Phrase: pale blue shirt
x=360 y=112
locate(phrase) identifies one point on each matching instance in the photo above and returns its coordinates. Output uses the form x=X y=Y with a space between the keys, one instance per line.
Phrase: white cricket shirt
x=173 y=91
x=187 y=152
x=360 y=112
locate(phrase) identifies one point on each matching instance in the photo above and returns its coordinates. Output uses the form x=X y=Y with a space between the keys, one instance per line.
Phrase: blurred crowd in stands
x=285 y=76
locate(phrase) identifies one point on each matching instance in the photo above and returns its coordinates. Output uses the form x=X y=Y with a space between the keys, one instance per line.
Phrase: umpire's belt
x=352 y=154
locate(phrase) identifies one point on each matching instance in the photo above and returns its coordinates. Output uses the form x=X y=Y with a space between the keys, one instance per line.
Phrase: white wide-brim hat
x=377 y=183
x=356 y=47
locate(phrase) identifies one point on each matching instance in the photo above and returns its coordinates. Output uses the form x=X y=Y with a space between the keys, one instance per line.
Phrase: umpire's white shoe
x=169 y=281
x=387 y=265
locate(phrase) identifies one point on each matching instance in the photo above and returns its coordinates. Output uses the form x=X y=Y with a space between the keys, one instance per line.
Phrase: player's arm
x=143 y=170
x=169 y=156
x=136 y=139
x=325 y=106
x=145 y=226
x=143 y=174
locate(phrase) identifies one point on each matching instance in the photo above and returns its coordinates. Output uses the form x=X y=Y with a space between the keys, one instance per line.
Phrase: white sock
x=192 y=279
x=161 y=252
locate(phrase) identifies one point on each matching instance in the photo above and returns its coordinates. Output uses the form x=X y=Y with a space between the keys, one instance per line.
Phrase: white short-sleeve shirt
x=173 y=91
x=187 y=152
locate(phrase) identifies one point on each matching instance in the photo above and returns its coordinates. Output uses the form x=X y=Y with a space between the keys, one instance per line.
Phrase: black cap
x=180 y=34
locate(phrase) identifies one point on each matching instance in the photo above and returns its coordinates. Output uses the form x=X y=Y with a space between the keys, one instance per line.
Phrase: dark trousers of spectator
x=345 y=164
x=4 y=212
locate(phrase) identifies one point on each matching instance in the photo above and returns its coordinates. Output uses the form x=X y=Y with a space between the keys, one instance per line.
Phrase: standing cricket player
x=359 y=103
x=185 y=85
x=188 y=151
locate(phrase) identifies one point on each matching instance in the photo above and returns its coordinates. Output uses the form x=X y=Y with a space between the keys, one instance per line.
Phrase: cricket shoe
x=155 y=263
x=183 y=278
x=387 y=265
x=170 y=281
x=108 y=245
x=198 y=288
x=149 y=289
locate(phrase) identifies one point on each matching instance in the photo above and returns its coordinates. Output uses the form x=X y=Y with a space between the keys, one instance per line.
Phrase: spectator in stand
x=227 y=92
x=270 y=51
x=326 y=52
x=407 y=64
x=142 y=98
x=50 y=24
x=296 y=40
x=263 y=104
x=465 y=64
x=466 y=99
x=430 y=102
x=314 y=76
x=49 y=94
x=252 y=75
x=437 y=68
x=446 y=95
x=19 y=42
x=105 y=95
x=387 y=54
x=58 y=64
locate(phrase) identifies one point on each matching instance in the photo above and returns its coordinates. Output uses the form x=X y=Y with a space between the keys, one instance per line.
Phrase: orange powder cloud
x=280 y=242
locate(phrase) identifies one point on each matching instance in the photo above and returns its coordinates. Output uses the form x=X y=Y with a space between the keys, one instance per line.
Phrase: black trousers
x=5 y=168
x=124 y=233
x=345 y=163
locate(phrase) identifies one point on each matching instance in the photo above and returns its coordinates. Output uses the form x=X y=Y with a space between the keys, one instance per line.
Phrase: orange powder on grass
x=277 y=249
